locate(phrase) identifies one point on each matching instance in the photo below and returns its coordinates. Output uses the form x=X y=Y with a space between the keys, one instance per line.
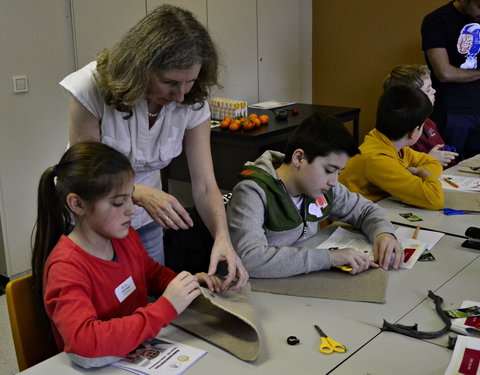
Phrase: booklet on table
x=159 y=356
x=413 y=249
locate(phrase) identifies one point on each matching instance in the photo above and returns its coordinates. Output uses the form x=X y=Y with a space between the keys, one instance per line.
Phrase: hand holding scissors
x=448 y=148
x=329 y=345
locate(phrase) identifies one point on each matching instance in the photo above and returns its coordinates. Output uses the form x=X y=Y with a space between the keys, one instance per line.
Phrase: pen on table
x=446 y=179
x=465 y=171
x=415 y=234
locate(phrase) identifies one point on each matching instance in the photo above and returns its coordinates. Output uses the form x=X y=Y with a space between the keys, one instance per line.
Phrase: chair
x=32 y=334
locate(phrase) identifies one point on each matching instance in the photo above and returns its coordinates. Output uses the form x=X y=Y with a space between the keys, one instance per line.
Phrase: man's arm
x=445 y=72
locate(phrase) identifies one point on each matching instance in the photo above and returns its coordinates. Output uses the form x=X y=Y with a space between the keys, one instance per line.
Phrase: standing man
x=451 y=41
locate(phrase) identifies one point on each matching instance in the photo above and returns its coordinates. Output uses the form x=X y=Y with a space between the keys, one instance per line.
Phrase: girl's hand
x=182 y=290
x=212 y=282
x=162 y=207
x=351 y=257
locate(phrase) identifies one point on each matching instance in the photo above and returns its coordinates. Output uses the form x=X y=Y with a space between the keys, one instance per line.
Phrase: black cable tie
x=413 y=331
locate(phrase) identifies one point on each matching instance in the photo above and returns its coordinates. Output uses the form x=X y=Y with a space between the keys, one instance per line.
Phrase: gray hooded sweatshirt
x=267 y=230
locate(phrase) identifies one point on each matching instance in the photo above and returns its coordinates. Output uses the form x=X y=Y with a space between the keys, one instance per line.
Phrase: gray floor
x=8 y=360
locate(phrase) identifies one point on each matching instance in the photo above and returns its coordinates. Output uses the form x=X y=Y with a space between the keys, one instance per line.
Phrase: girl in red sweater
x=90 y=267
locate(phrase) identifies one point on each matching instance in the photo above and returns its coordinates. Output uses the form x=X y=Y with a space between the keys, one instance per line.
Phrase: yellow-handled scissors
x=329 y=345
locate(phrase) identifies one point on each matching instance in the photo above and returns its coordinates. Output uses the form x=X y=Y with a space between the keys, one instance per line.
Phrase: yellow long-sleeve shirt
x=380 y=171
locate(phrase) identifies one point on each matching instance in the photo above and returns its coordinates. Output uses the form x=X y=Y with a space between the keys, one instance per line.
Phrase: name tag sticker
x=321 y=201
x=125 y=289
x=314 y=209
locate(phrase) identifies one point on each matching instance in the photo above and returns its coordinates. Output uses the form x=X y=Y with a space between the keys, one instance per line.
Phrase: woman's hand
x=162 y=207
x=351 y=257
x=444 y=157
x=223 y=251
x=182 y=290
x=212 y=282
x=386 y=246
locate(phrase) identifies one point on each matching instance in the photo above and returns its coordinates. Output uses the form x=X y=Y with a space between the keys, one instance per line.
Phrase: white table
x=465 y=285
x=408 y=288
x=393 y=354
x=435 y=220
x=355 y=324
x=280 y=317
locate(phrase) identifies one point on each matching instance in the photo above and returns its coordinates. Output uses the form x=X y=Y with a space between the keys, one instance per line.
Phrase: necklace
x=153 y=115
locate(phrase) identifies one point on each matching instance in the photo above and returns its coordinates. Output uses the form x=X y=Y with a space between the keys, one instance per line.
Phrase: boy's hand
x=351 y=257
x=384 y=247
x=444 y=157
x=212 y=282
x=182 y=290
x=420 y=172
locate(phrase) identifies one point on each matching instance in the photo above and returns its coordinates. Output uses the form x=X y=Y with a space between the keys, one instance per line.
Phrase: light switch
x=20 y=84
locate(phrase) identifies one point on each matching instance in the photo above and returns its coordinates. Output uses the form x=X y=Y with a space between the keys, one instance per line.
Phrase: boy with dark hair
x=280 y=199
x=430 y=142
x=387 y=165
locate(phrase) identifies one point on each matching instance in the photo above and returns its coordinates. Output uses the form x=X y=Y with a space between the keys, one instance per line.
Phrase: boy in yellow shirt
x=387 y=165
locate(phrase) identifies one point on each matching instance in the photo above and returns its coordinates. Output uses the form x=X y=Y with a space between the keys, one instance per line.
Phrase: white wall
x=35 y=40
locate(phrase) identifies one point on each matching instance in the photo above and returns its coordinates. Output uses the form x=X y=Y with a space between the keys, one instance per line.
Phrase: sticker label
x=408 y=253
x=410 y=217
x=315 y=210
x=125 y=289
x=470 y=362
x=321 y=201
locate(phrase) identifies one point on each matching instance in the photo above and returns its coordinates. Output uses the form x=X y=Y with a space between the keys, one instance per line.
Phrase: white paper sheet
x=271 y=104
x=343 y=238
x=463 y=183
x=428 y=237
x=466 y=357
x=460 y=325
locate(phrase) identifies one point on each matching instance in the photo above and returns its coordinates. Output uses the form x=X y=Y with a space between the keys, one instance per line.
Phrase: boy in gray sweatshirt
x=280 y=199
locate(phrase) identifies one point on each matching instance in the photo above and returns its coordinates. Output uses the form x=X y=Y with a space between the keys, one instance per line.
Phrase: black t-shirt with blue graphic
x=447 y=28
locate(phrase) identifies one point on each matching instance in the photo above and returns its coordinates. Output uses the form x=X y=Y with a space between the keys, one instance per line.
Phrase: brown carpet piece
x=226 y=320
x=368 y=286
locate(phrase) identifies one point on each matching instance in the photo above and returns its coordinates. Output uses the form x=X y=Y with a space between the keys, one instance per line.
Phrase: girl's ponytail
x=53 y=220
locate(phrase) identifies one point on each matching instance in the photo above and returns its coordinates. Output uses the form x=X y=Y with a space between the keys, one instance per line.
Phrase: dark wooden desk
x=230 y=150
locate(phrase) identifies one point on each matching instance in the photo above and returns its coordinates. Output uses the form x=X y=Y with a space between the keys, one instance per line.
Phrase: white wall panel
x=233 y=26
x=197 y=7
x=99 y=24
x=279 y=50
x=35 y=41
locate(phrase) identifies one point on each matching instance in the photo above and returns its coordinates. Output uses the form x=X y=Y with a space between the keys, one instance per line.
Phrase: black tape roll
x=473 y=232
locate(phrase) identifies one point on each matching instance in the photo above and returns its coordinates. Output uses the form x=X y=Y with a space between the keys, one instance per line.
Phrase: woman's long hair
x=168 y=38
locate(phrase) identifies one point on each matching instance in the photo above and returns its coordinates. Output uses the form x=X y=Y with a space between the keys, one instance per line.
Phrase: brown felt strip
x=368 y=286
x=226 y=319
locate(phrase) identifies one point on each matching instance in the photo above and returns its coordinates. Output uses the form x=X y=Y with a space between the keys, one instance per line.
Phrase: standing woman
x=146 y=97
